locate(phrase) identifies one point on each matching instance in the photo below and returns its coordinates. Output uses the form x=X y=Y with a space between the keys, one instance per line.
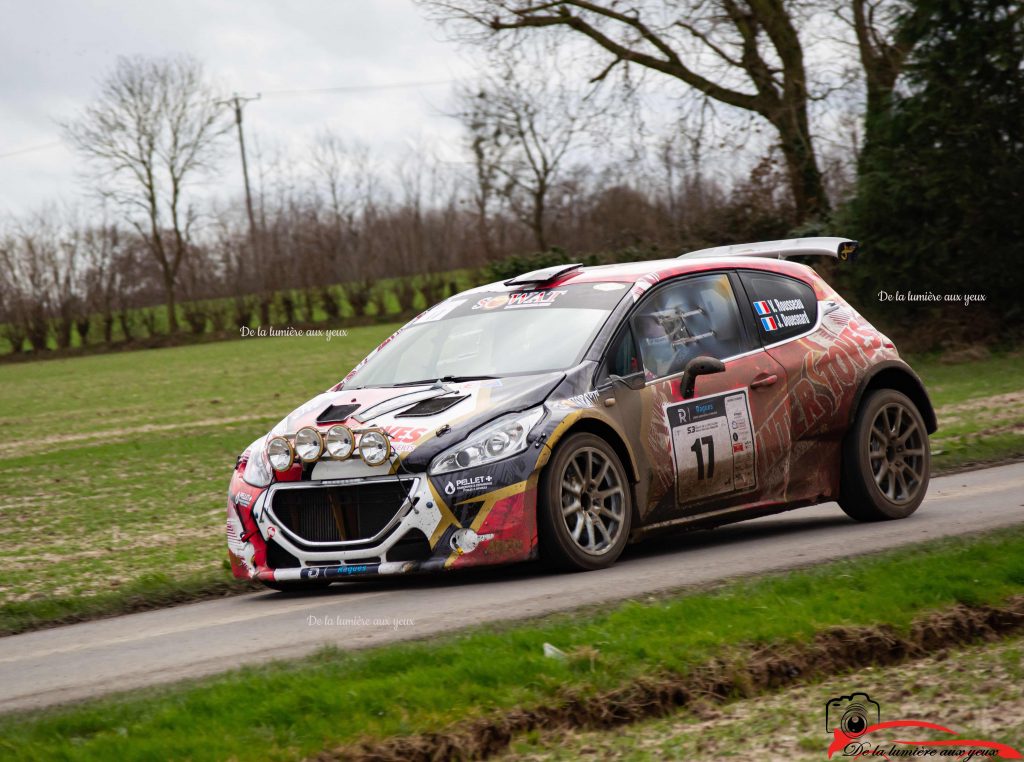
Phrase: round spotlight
x=339 y=442
x=280 y=454
x=374 y=447
x=309 y=445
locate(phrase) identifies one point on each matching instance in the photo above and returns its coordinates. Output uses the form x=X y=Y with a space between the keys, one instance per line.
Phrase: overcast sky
x=52 y=54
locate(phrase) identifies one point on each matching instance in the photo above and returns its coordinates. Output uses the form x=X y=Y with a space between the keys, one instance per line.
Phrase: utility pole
x=237 y=102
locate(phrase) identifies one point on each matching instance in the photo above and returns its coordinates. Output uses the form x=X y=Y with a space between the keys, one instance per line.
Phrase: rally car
x=568 y=411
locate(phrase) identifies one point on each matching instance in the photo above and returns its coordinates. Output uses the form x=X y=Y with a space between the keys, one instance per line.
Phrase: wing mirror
x=698 y=366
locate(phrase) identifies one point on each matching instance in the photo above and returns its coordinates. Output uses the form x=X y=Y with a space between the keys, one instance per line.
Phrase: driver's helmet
x=655 y=345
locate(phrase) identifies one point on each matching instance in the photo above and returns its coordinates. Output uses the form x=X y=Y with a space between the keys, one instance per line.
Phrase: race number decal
x=712 y=445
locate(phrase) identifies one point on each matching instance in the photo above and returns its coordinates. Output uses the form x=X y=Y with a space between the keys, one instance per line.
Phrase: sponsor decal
x=852 y=719
x=468 y=484
x=491 y=302
x=533 y=299
x=271 y=530
x=352 y=569
x=609 y=286
x=404 y=434
x=712 y=445
x=243 y=498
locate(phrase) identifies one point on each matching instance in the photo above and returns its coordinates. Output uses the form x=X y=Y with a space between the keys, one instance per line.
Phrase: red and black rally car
x=570 y=410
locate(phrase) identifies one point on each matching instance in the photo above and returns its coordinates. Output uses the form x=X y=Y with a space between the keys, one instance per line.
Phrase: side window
x=622 y=358
x=783 y=307
x=696 y=316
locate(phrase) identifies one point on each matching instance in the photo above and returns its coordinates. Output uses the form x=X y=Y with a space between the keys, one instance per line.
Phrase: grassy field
x=293 y=710
x=113 y=468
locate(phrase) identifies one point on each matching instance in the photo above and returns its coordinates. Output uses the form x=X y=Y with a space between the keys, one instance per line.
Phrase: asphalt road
x=79 y=661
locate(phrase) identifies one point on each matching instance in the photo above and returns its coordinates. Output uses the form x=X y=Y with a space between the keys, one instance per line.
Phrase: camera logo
x=852 y=714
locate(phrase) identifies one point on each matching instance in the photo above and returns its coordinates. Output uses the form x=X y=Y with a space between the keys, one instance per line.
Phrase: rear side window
x=783 y=307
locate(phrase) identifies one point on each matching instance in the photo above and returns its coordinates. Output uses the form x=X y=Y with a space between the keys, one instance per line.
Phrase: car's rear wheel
x=585 y=506
x=886 y=459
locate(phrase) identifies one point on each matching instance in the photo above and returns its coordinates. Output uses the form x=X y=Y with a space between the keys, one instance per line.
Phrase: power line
x=361 y=88
x=41 y=147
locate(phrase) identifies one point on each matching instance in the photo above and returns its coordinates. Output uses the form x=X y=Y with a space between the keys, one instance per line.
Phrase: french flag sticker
x=762 y=308
x=769 y=324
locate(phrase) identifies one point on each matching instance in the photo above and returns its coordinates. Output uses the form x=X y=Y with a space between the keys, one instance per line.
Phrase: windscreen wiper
x=444 y=380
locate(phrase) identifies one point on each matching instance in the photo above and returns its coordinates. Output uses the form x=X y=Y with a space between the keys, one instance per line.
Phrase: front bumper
x=486 y=517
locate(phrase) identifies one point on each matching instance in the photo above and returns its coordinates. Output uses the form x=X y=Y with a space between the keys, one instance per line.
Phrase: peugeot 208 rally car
x=570 y=410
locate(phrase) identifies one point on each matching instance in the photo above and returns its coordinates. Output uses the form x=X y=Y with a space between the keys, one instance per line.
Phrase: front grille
x=336 y=514
x=279 y=558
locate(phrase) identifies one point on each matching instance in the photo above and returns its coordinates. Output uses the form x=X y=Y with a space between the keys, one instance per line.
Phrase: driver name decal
x=780 y=313
x=712 y=445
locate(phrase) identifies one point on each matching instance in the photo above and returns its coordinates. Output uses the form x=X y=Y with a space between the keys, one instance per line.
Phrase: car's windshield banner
x=588 y=296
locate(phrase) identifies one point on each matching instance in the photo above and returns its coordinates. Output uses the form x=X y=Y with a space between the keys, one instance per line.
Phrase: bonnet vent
x=336 y=413
x=431 y=406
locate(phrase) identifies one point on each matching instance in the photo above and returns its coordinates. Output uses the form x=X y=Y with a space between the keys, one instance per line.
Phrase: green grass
x=114 y=468
x=292 y=710
x=980 y=407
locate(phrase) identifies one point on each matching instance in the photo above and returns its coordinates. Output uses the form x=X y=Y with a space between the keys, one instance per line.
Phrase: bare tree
x=743 y=53
x=523 y=123
x=151 y=131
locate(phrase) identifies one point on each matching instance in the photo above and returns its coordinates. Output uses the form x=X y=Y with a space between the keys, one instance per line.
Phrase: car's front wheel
x=886 y=459
x=585 y=505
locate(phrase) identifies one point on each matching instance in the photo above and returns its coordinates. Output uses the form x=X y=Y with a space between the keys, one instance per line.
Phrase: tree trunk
x=809 y=198
x=537 y=221
x=170 y=301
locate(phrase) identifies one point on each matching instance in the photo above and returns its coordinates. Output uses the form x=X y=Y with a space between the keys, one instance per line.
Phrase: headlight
x=339 y=442
x=280 y=453
x=257 y=470
x=309 y=445
x=499 y=439
x=374 y=447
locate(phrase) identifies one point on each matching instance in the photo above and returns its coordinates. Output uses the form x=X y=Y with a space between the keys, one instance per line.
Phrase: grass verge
x=292 y=710
x=978 y=691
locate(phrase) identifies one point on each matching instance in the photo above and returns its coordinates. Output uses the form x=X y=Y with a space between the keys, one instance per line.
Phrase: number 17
x=699 y=452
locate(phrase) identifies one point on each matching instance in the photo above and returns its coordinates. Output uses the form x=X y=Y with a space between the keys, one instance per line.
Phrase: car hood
x=413 y=415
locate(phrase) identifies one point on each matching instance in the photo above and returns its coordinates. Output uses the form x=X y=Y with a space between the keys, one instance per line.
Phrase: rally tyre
x=585 y=506
x=886 y=459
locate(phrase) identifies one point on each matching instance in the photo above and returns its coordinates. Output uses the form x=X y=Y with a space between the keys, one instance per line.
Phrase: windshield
x=493 y=334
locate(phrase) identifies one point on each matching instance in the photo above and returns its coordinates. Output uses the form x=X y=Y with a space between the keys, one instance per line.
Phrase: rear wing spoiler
x=842 y=249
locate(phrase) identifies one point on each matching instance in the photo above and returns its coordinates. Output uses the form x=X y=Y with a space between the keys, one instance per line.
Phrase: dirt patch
x=103 y=436
x=995 y=409
x=740 y=673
